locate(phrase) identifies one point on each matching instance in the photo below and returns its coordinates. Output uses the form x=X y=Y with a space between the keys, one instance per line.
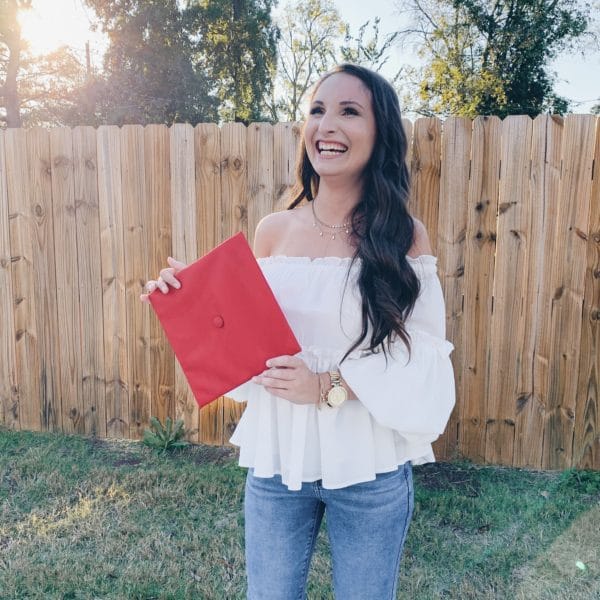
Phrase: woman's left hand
x=288 y=377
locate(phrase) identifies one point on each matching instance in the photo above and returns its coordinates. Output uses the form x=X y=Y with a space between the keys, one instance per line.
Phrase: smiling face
x=340 y=131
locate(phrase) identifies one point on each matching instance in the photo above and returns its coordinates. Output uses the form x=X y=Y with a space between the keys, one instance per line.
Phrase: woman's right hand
x=165 y=279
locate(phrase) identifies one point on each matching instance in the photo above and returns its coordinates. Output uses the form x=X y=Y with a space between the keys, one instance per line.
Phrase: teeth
x=335 y=148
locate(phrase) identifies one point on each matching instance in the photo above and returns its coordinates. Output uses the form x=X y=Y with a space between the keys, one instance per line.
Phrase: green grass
x=86 y=518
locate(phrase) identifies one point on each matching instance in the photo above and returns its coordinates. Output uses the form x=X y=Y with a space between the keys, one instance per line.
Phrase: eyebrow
x=343 y=103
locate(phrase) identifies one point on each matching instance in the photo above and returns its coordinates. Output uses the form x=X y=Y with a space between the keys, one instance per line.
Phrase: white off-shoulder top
x=402 y=407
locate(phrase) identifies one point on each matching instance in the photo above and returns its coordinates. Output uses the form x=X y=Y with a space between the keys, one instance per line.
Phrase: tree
x=236 y=43
x=35 y=90
x=149 y=73
x=371 y=53
x=491 y=56
x=12 y=46
x=307 y=48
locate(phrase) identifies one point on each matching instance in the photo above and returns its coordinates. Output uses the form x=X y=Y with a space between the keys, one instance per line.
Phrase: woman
x=337 y=427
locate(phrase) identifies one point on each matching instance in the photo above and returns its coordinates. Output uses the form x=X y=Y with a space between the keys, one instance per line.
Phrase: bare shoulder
x=269 y=231
x=421 y=243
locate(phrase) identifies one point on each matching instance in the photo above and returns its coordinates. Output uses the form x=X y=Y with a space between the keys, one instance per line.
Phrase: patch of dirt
x=447 y=476
x=204 y=454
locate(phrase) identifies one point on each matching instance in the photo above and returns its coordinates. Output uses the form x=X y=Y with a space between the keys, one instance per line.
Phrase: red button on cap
x=218 y=321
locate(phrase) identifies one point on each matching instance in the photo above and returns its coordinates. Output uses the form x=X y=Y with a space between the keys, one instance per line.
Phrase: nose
x=327 y=123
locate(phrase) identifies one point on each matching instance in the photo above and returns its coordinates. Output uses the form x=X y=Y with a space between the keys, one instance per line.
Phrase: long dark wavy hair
x=382 y=227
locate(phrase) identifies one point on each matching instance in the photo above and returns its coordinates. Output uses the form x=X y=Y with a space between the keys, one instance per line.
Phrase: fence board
x=285 y=142
x=510 y=291
x=135 y=246
x=47 y=364
x=89 y=274
x=408 y=131
x=209 y=218
x=68 y=352
x=454 y=183
x=586 y=445
x=234 y=198
x=480 y=247
x=113 y=281
x=24 y=297
x=158 y=223
x=545 y=175
x=185 y=244
x=9 y=416
x=425 y=175
x=573 y=219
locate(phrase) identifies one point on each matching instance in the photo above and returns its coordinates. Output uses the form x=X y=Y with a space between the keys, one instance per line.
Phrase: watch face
x=336 y=396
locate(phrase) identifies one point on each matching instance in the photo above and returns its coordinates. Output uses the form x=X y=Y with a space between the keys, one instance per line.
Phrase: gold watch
x=337 y=395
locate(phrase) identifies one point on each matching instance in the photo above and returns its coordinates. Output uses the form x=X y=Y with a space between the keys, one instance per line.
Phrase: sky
x=55 y=22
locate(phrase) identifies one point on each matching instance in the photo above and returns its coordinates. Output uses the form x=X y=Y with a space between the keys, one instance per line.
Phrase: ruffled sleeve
x=413 y=397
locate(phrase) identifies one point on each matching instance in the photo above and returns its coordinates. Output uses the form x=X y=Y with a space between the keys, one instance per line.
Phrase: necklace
x=318 y=223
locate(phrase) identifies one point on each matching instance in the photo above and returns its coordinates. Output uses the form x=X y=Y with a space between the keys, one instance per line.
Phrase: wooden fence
x=513 y=212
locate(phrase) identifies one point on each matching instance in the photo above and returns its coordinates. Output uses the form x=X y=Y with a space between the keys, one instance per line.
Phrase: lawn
x=89 y=518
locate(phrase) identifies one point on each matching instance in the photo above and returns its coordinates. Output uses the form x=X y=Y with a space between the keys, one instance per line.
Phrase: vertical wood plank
x=569 y=287
x=89 y=262
x=65 y=249
x=510 y=372
x=286 y=140
x=425 y=175
x=260 y=174
x=113 y=281
x=408 y=132
x=452 y=224
x=209 y=218
x=586 y=447
x=479 y=277
x=234 y=198
x=159 y=240
x=545 y=173
x=135 y=246
x=46 y=367
x=9 y=415
x=23 y=301
x=185 y=245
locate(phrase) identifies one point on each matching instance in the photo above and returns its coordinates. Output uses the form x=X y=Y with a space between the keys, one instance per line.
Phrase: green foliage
x=236 y=44
x=485 y=57
x=165 y=437
x=150 y=71
x=310 y=30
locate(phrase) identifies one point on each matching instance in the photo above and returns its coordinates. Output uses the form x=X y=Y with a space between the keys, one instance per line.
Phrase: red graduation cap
x=224 y=321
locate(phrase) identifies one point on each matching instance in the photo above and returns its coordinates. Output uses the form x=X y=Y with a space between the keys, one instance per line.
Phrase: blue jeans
x=366 y=524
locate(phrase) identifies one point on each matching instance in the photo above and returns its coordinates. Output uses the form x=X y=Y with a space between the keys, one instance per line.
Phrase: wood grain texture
x=21 y=231
x=89 y=263
x=452 y=224
x=286 y=140
x=545 y=175
x=510 y=373
x=568 y=282
x=116 y=360
x=185 y=245
x=234 y=199
x=46 y=365
x=425 y=175
x=159 y=239
x=135 y=246
x=9 y=415
x=209 y=214
x=480 y=249
x=65 y=250
x=586 y=442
